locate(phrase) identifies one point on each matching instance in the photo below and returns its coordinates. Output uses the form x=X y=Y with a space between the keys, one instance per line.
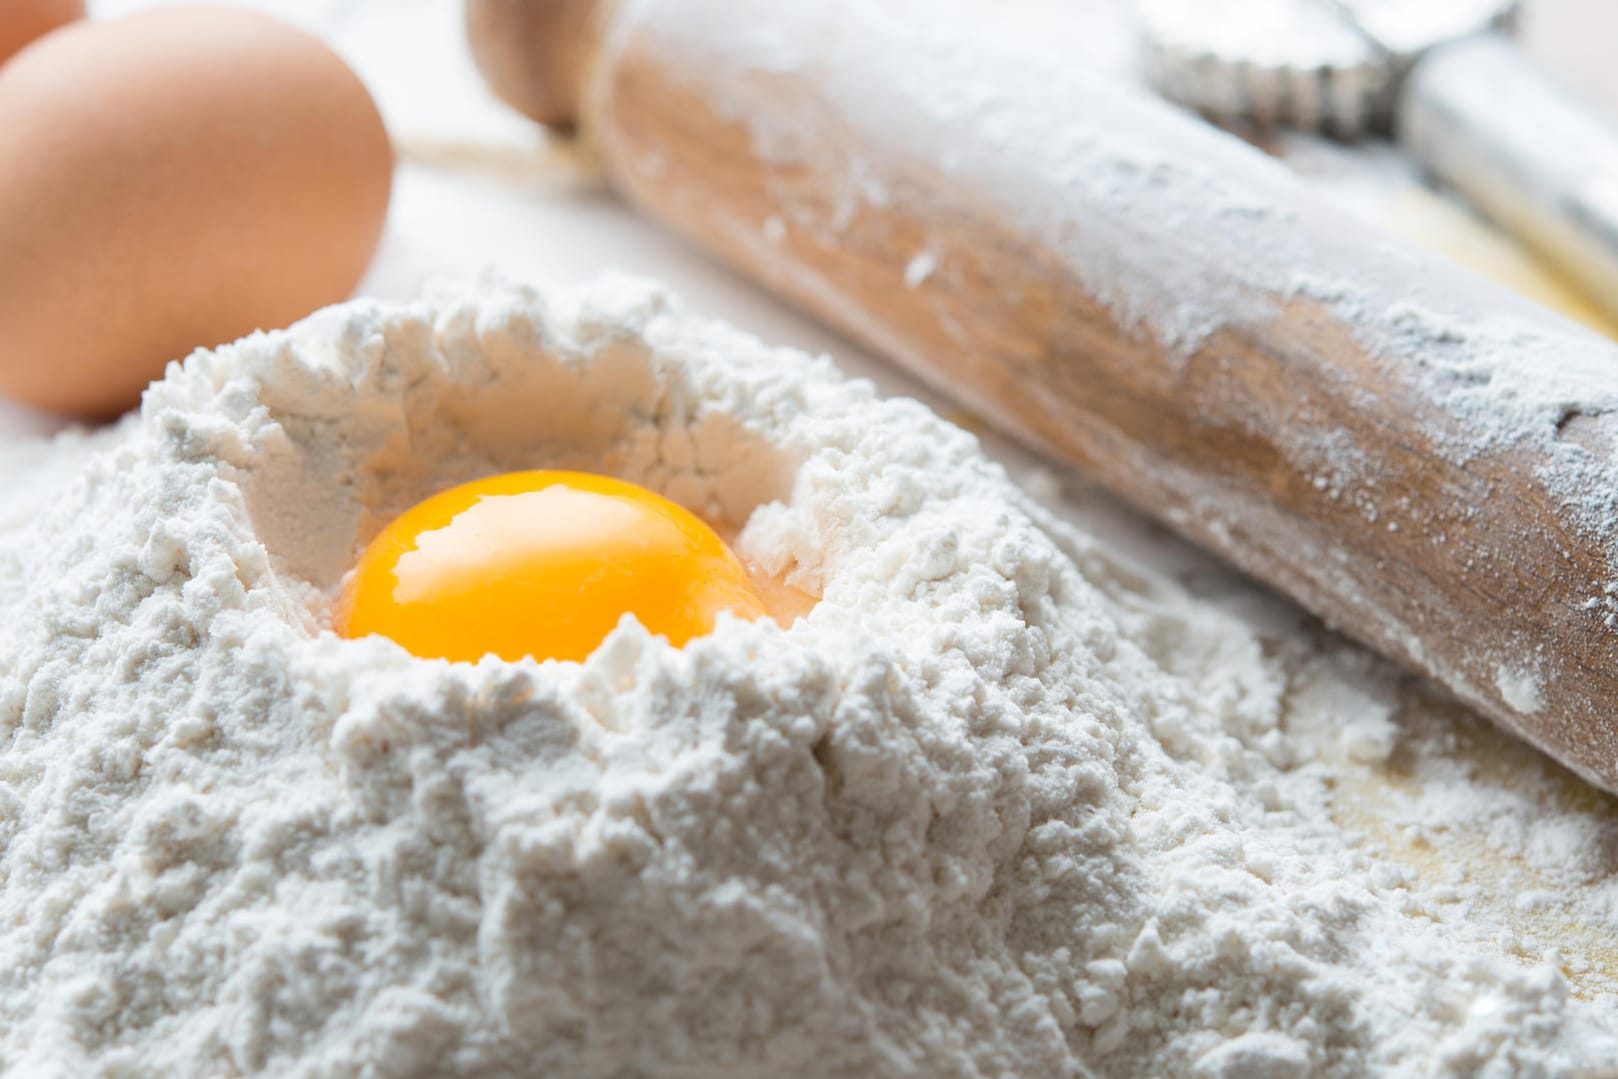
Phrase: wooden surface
x=1485 y=572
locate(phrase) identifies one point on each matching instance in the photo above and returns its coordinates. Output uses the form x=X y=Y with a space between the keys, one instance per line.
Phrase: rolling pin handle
x=1481 y=117
x=535 y=54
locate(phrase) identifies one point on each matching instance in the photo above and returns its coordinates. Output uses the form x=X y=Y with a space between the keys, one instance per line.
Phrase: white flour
x=1002 y=804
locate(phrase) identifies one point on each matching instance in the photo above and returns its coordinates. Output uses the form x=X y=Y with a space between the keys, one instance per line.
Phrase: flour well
x=1001 y=804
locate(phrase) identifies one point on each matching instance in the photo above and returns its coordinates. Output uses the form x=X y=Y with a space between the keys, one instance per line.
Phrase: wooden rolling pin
x=1423 y=460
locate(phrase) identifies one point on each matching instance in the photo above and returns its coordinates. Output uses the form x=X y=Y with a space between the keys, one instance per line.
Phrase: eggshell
x=21 y=21
x=173 y=180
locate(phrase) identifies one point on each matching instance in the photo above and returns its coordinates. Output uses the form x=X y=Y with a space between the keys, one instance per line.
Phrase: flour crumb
x=1520 y=688
x=920 y=268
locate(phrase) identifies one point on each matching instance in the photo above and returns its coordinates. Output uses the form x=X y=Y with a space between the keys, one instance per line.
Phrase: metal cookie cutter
x=1443 y=76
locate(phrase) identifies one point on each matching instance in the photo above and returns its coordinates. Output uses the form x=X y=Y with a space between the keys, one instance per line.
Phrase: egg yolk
x=541 y=564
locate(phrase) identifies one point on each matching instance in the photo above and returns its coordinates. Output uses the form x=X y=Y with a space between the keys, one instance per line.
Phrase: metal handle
x=1525 y=150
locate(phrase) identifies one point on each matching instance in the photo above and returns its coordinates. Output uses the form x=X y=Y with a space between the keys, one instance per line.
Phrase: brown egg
x=21 y=21
x=173 y=180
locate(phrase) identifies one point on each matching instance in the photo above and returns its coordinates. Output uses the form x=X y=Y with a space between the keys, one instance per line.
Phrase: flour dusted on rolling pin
x=1002 y=803
x=1513 y=373
x=1418 y=457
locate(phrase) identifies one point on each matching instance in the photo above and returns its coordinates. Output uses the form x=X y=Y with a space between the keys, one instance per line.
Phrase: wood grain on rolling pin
x=1140 y=295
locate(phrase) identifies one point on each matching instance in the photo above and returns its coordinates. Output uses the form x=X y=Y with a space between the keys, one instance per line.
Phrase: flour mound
x=999 y=805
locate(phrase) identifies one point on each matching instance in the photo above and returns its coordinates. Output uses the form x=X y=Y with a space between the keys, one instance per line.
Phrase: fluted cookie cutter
x=1444 y=77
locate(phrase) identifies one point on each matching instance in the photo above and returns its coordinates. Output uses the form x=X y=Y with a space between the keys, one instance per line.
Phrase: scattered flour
x=1002 y=804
